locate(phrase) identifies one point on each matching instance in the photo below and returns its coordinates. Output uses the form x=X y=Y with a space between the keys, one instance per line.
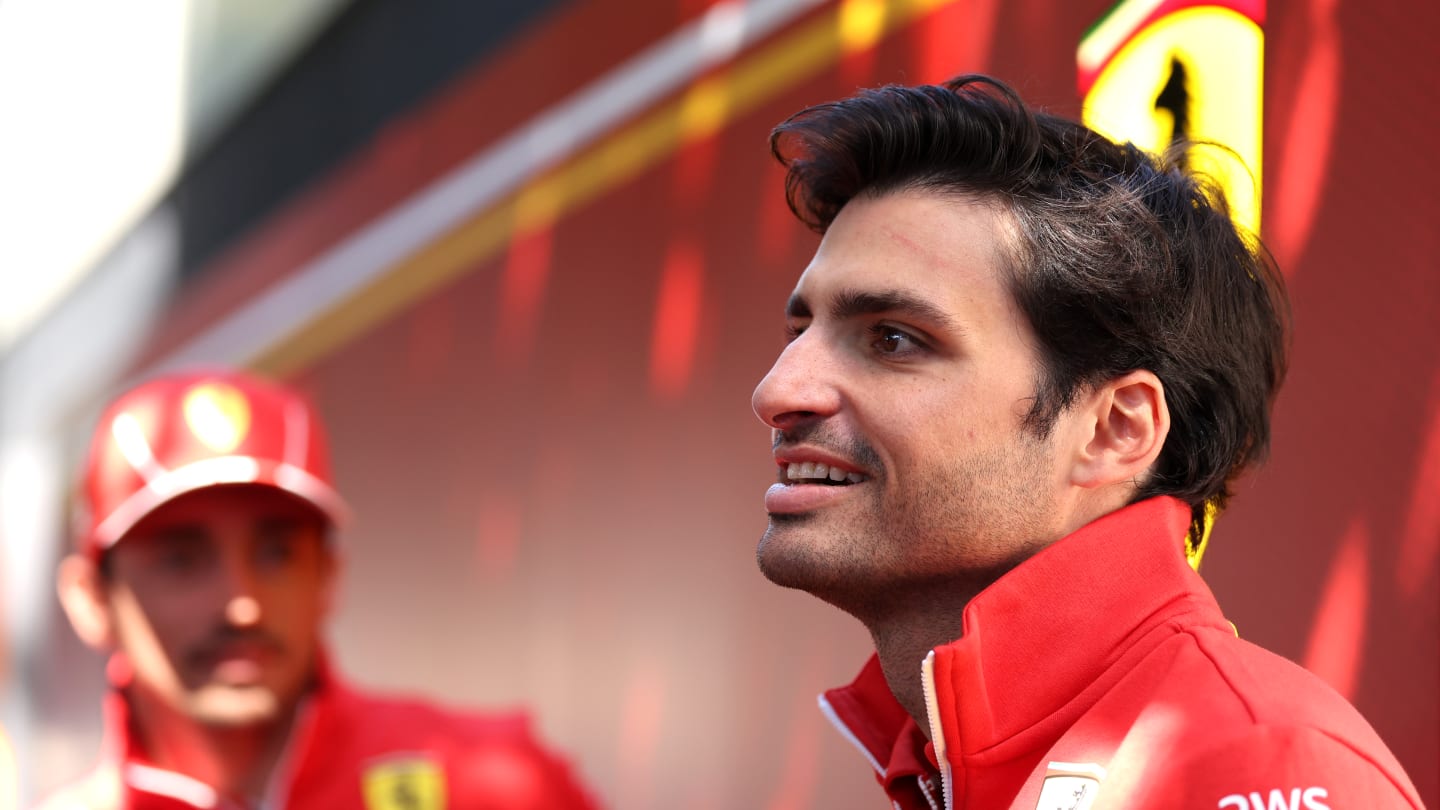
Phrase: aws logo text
x=1308 y=799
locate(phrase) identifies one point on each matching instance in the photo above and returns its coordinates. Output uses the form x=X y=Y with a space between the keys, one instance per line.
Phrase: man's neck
x=905 y=634
x=915 y=619
x=238 y=762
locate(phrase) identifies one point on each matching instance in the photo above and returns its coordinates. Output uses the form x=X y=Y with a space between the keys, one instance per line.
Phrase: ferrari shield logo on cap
x=409 y=782
x=218 y=415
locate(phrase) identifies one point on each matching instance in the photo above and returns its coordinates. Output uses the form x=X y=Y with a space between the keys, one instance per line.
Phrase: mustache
x=223 y=636
x=822 y=436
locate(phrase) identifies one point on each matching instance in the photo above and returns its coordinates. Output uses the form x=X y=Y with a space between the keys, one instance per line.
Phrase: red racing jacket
x=352 y=750
x=1101 y=675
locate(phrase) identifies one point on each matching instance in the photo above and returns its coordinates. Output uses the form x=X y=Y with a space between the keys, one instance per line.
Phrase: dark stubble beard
x=960 y=528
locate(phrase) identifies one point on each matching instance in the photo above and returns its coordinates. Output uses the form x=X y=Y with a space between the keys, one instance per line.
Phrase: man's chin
x=235 y=706
x=824 y=563
x=791 y=560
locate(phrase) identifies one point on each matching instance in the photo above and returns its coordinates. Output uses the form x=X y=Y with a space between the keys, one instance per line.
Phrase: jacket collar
x=1038 y=637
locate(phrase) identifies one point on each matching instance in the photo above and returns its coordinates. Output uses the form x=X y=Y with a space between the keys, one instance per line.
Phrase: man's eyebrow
x=851 y=303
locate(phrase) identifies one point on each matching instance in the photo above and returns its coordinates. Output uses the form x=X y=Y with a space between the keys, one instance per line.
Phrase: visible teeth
x=810 y=470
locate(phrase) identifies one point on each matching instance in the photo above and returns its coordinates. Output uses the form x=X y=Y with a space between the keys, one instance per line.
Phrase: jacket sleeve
x=1275 y=768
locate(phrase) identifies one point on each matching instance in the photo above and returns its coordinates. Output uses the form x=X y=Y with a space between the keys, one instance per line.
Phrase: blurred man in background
x=206 y=569
x=1025 y=366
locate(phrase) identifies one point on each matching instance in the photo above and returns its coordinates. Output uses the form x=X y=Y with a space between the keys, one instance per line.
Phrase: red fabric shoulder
x=489 y=760
x=1298 y=768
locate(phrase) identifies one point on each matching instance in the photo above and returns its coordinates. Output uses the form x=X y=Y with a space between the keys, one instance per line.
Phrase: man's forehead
x=929 y=252
x=924 y=223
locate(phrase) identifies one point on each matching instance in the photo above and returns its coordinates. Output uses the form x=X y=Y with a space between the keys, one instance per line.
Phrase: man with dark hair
x=1024 y=367
x=205 y=570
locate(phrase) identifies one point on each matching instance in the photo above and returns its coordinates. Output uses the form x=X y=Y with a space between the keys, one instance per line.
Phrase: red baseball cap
x=182 y=432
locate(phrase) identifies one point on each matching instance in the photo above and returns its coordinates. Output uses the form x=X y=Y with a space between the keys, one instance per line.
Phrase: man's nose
x=801 y=384
x=242 y=601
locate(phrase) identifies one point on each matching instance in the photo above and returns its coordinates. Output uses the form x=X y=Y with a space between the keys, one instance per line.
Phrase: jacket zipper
x=937 y=733
x=927 y=789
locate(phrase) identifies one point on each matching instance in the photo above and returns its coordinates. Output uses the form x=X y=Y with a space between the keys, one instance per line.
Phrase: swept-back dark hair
x=1123 y=261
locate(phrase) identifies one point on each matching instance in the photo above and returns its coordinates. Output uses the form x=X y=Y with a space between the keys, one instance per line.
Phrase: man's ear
x=83 y=595
x=1127 y=420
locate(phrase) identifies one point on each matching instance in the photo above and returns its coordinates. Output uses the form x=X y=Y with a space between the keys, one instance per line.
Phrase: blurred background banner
x=529 y=258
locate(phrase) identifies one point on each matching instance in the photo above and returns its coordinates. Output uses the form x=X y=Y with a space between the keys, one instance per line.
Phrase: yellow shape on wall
x=1158 y=74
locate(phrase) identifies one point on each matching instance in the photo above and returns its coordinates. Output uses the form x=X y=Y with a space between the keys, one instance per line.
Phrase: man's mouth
x=809 y=472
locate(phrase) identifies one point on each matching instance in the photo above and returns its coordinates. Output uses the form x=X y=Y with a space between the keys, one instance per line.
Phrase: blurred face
x=897 y=407
x=216 y=598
